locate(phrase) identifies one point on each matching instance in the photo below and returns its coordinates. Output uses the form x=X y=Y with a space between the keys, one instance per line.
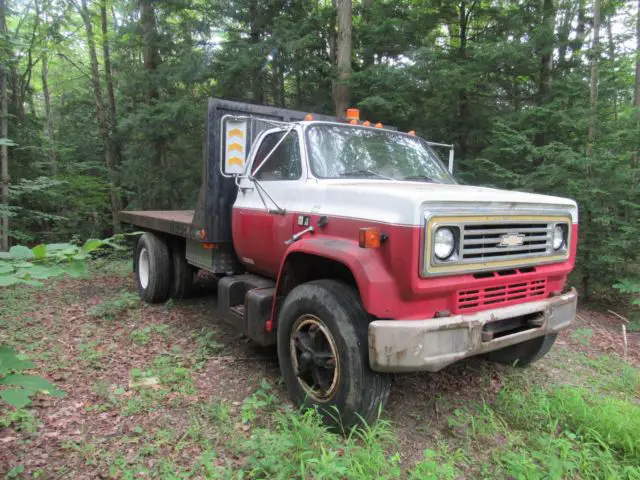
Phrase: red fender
x=373 y=279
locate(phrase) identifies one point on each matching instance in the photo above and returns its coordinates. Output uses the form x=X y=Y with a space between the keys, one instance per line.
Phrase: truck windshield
x=337 y=151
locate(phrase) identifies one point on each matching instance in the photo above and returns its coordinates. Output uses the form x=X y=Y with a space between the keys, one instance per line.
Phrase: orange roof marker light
x=353 y=122
x=379 y=125
x=308 y=117
x=412 y=133
x=353 y=114
x=366 y=123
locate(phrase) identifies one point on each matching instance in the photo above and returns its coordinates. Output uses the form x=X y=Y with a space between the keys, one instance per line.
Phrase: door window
x=284 y=163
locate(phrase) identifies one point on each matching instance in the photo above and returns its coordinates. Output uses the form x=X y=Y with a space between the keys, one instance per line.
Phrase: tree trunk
x=612 y=59
x=545 y=52
x=298 y=81
x=278 y=79
x=151 y=60
x=333 y=38
x=257 y=78
x=463 y=95
x=593 y=97
x=591 y=136
x=111 y=96
x=563 y=35
x=4 y=131
x=107 y=63
x=150 y=56
x=636 y=99
x=341 y=91
x=47 y=112
x=581 y=32
x=116 y=202
x=367 y=51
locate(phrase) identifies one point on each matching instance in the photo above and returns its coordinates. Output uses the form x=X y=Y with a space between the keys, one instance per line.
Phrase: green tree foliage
x=507 y=82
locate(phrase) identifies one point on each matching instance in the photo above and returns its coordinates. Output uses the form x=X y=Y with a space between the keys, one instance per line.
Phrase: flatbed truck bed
x=175 y=222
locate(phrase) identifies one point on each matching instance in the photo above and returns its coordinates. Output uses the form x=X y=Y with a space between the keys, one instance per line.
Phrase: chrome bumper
x=413 y=345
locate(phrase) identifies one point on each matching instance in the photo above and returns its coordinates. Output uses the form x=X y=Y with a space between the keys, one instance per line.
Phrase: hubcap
x=315 y=358
x=143 y=268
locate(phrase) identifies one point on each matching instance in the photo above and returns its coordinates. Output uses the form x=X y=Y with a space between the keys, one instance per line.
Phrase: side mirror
x=233 y=152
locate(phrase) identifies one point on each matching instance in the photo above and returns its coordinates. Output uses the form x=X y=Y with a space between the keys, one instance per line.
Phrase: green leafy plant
x=261 y=399
x=30 y=265
x=20 y=386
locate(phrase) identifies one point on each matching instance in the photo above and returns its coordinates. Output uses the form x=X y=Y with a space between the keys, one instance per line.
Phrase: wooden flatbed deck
x=175 y=222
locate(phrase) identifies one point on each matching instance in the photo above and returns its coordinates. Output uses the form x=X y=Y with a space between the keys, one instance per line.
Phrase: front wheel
x=323 y=354
x=525 y=353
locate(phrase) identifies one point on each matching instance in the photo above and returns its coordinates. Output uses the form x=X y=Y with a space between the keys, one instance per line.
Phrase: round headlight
x=558 y=237
x=444 y=243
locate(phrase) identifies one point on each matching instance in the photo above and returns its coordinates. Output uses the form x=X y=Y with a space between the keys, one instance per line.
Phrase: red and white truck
x=352 y=248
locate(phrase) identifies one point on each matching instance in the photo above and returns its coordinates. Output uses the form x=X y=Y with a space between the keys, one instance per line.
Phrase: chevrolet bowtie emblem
x=511 y=240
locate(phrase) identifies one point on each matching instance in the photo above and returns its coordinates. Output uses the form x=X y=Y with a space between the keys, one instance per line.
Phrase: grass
x=582 y=335
x=111 y=308
x=142 y=336
x=578 y=417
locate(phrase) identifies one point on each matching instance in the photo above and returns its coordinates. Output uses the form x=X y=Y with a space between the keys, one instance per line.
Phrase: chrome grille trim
x=481 y=242
x=481 y=233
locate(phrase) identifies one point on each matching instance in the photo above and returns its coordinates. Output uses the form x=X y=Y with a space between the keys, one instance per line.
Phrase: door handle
x=299 y=235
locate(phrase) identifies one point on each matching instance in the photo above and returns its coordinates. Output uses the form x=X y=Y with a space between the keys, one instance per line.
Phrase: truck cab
x=352 y=248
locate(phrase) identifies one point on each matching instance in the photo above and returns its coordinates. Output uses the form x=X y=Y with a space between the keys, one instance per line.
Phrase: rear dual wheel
x=161 y=269
x=323 y=354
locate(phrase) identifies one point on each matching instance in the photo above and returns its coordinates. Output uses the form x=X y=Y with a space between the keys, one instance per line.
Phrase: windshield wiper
x=363 y=172
x=424 y=178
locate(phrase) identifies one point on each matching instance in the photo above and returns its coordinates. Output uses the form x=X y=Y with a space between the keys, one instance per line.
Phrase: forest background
x=103 y=102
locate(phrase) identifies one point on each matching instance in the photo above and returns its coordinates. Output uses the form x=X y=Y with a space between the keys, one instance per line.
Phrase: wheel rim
x=315 y=358
x=143 y=268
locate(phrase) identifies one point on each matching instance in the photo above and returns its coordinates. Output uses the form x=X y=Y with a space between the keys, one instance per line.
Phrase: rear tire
x=525 y=353
x=334 y=375
x=152 y=265
x=183 y=273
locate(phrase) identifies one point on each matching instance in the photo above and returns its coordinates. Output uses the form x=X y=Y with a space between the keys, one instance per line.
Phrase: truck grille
x=500 y=295
x=490 y=241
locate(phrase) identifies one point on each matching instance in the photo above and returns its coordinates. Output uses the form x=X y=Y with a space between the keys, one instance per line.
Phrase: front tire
x=525 y=353
x=152 y=264
x=323 y=354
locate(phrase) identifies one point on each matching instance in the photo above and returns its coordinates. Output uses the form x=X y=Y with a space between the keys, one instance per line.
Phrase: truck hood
x=401 y=202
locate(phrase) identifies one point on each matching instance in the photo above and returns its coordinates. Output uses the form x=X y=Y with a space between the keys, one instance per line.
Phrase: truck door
x=259 y=230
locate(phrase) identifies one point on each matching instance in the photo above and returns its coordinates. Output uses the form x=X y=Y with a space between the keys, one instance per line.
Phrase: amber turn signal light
x=353 y=114
x=369 y=237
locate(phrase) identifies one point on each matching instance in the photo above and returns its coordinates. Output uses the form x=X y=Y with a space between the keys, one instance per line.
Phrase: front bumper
x=432 y=344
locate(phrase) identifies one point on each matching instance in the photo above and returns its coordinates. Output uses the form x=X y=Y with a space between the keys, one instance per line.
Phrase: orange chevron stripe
x=235 y=161
x=235 y=146
x=235 y=132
